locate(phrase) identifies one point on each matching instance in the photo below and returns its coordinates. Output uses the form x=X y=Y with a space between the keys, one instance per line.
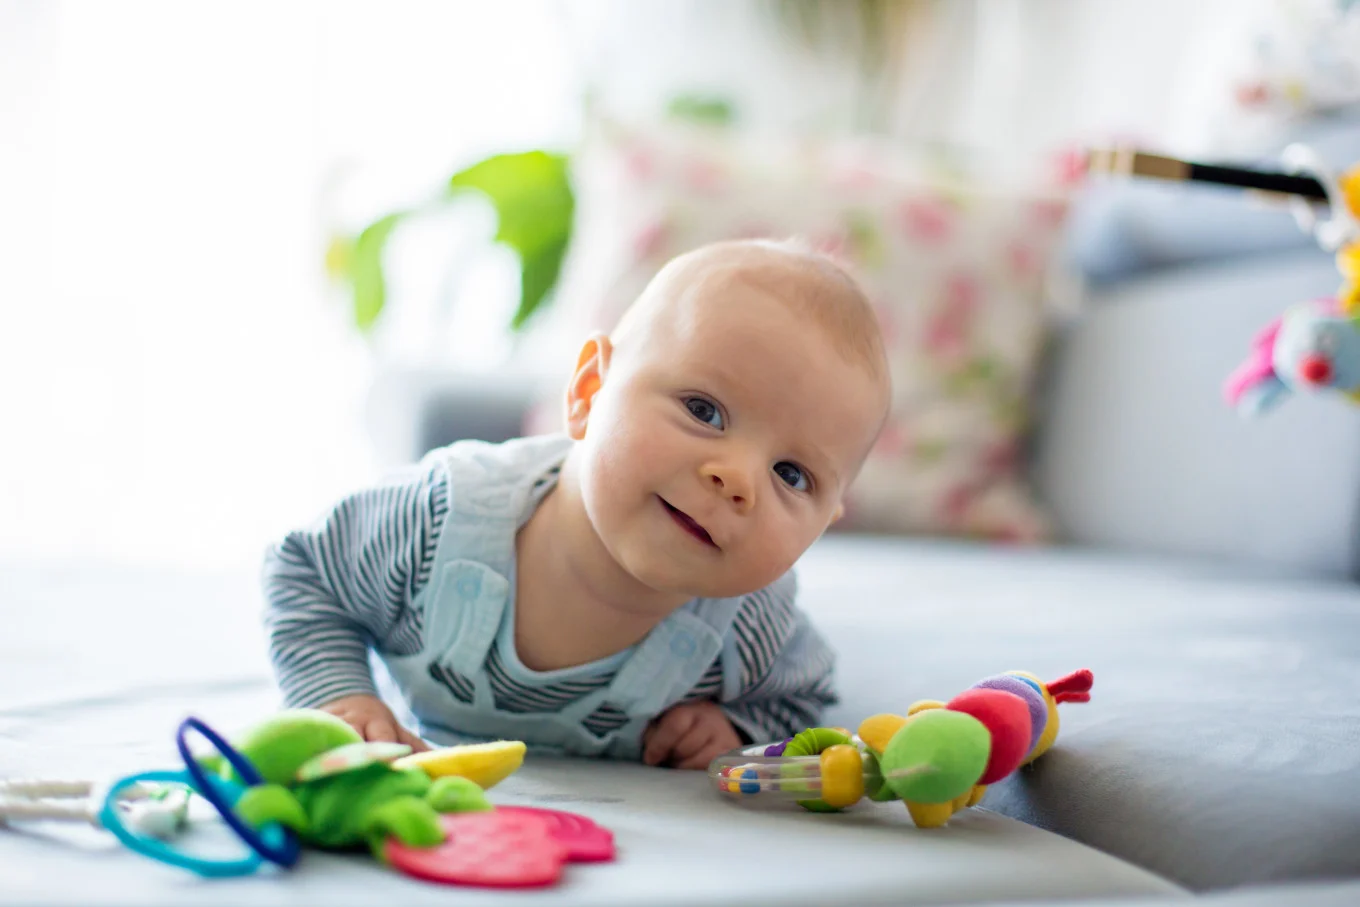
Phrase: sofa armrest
x=1138 y=450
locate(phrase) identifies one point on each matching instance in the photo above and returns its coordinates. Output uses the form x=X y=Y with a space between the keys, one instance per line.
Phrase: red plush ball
x=1007 y=717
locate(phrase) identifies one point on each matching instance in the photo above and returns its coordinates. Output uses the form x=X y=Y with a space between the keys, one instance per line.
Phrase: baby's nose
x=732 y=483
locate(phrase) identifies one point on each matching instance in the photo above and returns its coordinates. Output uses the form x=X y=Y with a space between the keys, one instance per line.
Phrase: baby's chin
x=689 y=587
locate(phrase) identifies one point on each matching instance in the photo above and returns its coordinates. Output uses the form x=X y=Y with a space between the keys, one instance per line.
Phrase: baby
x=625 y=589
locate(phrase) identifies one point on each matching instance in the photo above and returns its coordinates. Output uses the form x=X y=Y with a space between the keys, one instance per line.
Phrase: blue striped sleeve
x=784 y=667
x=345 y=585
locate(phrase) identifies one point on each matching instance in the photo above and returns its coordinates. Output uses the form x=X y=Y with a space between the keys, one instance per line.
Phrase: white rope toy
x=157 y=811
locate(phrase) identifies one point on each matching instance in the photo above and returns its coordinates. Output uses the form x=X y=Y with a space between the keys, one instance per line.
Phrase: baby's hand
x=371 y=717
x=689 y=736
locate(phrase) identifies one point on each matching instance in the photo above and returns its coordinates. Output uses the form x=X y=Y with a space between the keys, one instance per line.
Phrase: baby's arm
x=346 y=584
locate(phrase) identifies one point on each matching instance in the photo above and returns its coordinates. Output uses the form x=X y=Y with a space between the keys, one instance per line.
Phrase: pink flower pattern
x=927 y=220
x=948 y=332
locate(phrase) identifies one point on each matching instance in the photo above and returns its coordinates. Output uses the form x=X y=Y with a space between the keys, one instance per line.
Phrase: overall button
x=468 y=586
x=683 y=646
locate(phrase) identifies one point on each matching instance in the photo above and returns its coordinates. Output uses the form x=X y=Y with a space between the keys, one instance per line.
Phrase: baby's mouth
x=688 y=524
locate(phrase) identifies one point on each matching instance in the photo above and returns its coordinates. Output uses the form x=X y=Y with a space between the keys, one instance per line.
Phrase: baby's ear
x=591 y=367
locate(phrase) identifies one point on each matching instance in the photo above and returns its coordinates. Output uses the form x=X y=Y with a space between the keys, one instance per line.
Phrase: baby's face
x=720 y=445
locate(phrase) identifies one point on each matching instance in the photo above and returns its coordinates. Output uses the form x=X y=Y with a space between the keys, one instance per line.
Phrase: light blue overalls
x=468 y=604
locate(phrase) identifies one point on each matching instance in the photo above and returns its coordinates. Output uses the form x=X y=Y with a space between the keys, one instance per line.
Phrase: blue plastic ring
x=285 y=855
x=159 y=850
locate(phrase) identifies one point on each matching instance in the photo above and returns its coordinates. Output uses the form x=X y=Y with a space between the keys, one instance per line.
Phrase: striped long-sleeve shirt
x=347 y=585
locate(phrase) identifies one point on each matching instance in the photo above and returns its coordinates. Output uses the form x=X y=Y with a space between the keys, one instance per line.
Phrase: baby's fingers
x=667 y=731
x=417 y=745
x=703 y=757
x=380 y=729
x=699 y=738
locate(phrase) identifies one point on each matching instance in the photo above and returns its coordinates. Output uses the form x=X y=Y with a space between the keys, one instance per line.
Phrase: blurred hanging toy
x=1313 y=346
x=938 y=758
x=306 y=777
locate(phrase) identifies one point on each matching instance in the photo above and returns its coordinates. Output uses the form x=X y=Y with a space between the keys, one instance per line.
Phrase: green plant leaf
x=365 y=269
x=531 y=192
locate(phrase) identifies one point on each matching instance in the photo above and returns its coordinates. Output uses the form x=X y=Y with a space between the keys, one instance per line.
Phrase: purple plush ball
x=1038 y=709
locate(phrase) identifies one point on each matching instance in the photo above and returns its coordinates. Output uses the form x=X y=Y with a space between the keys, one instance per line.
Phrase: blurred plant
x=532 y=196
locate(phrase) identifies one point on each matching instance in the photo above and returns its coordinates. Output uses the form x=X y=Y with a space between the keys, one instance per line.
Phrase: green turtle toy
x=336 y=791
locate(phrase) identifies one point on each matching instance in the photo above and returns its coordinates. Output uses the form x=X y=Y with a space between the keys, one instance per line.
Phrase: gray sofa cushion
x=1312 y=894
x=1222 y=742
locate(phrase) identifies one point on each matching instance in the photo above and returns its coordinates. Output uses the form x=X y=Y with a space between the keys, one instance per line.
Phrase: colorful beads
x=747 y=780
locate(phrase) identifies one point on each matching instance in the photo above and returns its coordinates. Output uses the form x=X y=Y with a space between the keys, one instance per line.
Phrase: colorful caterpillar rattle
x=938 y=759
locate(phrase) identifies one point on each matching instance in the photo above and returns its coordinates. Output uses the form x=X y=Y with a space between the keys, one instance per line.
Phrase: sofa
x=1205 y=575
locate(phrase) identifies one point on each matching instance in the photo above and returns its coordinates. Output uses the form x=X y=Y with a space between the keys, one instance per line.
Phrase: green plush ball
x=936 y=756
x=282 y=743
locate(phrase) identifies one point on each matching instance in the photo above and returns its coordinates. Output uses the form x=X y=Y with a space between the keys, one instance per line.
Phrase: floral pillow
x=956 y=273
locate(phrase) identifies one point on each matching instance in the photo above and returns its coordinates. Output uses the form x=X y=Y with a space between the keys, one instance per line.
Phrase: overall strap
x=490 y=492
x=673 y=657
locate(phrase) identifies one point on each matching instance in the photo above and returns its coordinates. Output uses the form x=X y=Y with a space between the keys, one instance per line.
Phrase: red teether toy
x=586 y=842
x=510 y=847
x=490 y=849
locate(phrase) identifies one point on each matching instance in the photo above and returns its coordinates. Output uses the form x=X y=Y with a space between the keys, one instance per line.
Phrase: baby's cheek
x=774 y=558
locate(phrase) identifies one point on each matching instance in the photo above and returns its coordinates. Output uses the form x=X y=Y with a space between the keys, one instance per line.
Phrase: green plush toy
x=336 y=791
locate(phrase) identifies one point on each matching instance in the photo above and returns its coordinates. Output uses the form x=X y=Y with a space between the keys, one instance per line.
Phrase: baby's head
x=721 y=423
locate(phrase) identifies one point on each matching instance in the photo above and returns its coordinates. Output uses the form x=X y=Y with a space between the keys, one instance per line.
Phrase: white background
x=178 y=383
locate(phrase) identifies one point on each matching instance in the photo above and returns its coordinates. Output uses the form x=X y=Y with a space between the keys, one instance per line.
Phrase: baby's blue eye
x=705 y=411
x=792 y=475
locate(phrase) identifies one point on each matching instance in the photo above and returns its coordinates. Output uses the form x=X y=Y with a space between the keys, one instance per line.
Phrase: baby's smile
x=688 y=523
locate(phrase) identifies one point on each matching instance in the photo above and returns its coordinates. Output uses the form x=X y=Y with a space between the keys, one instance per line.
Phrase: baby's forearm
x=312 y=676
x=318 y=652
